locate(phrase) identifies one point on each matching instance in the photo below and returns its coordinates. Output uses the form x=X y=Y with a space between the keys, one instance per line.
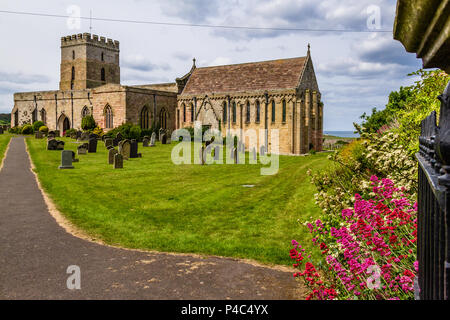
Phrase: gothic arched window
x=258 y=111
x=145 y=118
x=103 y=77
x=84 y=112
x=247 y=112
x=224 y=112
x=192 y=113
x=273 y=111
x=163 y=118
x=44 y=116
x=108 y=117
x=234 y=112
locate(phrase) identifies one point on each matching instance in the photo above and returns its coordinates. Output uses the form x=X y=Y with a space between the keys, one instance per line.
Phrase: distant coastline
x=342 y=134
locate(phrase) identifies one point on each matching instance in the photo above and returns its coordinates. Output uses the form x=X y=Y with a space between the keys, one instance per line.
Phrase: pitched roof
x=254 y=76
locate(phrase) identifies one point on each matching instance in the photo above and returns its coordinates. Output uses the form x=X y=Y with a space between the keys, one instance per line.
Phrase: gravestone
x=125 y=149
x=262 y=151
x=53 y=144
x=254 y=153
x=164 y=138
x=133 y=148
x=82 y=148
x=145 y=141
x=161 y=131
x=51 y=134
x=73 y=156
x=84 y=136
x=93 y=136
x=66 y=160
x=79 y=134
x=216 y=153
x=118 y=161
x=109 y=142
x=117 y=139
x=111 y=154
x=153 y=139
x=39 y=135
x=92 y=146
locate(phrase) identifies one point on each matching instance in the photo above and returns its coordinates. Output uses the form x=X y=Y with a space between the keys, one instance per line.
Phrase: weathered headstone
x=92 y=147
x=262 y=151
x=236 y=155
x=216 y=153
x=53 y=144
x=111 y=154
x=84 y=136
x=153 y=139
x=117 y=139
x=254 y=153
x=161 y=132
x=82 y=148
x=118 y=161
x=164 y=138
x=39 y=135
x=145 y=142
x=109 y=142
x=125 y=149
x=133 y=148
x=66 y=160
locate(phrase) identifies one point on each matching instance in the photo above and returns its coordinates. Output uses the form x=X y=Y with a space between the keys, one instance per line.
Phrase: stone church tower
x=88 y=62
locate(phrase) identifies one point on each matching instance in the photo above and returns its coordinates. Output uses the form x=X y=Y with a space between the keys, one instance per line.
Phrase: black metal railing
x=434 y=205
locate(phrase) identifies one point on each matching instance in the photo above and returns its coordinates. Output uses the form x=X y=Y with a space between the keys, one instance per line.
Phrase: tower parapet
x=87 y=38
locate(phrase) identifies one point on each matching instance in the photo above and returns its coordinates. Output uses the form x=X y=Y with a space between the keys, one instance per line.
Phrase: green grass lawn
x=4 y=140
x=154 y=204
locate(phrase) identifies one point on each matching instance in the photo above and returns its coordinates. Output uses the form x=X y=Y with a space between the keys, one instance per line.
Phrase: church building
x=279 y=94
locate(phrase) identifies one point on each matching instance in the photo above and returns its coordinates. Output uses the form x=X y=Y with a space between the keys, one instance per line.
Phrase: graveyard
x=150 y=203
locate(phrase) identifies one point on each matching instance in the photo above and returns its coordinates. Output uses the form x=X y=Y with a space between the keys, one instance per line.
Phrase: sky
x=355 y=71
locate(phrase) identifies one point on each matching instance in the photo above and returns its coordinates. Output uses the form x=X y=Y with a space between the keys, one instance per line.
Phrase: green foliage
x=37 y=125
x=5 y=118
x=69 y=132
x=44 y=129
x=98 y=131
x=16 y=130
x=128 y=131
x=27 y=129
x=88 y=123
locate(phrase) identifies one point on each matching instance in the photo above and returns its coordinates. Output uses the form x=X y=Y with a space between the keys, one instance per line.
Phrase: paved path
x=35 y=253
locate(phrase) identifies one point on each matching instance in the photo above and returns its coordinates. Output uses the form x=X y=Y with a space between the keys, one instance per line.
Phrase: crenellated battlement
x=86 y=37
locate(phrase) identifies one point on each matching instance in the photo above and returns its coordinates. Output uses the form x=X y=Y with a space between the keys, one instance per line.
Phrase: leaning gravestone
x=82 y=148
x=124 y=149
x=92 y=146
x=66 y=160
x=109 y=142
x=133 y=148
x=111 y=154
x=118 y=161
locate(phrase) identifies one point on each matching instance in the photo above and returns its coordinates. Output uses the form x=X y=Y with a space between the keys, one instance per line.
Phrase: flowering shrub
x=379 y=154
x=369 y=250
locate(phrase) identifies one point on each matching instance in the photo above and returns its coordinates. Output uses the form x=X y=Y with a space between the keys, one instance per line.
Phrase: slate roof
x=254 y=76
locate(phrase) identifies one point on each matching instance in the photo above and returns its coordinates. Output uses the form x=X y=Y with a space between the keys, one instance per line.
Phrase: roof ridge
x=254 y=62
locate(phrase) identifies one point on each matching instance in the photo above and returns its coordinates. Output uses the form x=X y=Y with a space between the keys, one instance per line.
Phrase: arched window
x=103 y=77
x=84 y=112
x=258 y=111
x=247 y=112
x=34 y=115
x=73 y=73
x=192 y=113
x=103 y=56
x=184 y=112
x=234 y=112
x=224 y=112
x=108 y=117
x=163 y=118
x=73 y=54
x=145 y=118
x=273 y=111
x=44 y=116
x=284 y=111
